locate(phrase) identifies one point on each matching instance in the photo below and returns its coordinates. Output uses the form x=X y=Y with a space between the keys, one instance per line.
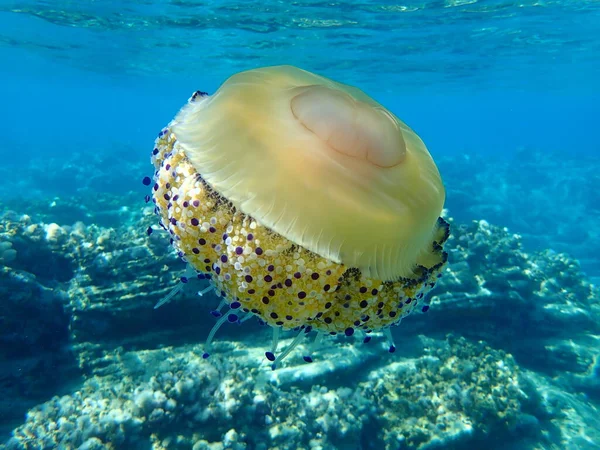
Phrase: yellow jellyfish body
x=305 y=202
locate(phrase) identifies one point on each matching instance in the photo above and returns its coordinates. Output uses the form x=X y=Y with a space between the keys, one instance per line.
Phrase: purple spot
x=195 y=221
x=147 y=198
x=184 y=279
x=235 y=305
x=239 y=250
x=259 y=251
x=366 y=339
x=196 y=203
x=224 y=258
x=250 y=236
x=248 y=279
x=307 y=359
x=195 y=251
x=271 y=268
x=297 y=275
x=425 y=308
x=349 y=331
x=146 y=181
x=268 y=278
x=205 y=355
x=216 y=313
x=186 y=204
x=392 y=348
x=315 y=276
x=232 y=318
x=301 y=294
x=149 y=231
x=212 y=229
x=270 y=356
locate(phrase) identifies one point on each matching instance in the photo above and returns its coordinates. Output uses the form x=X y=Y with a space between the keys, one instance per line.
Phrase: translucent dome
x=320 y=163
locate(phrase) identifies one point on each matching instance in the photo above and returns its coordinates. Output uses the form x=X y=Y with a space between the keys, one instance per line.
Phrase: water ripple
x=428 y=41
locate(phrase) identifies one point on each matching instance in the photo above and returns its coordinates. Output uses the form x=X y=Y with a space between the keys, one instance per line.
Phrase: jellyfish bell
x=306 y=202
x=319 y=163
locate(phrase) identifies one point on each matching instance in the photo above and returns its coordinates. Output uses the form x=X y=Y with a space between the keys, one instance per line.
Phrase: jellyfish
x=304 y=203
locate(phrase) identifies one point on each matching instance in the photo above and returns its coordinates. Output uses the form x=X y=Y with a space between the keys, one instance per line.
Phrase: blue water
x=487 y=84
x=469 y=76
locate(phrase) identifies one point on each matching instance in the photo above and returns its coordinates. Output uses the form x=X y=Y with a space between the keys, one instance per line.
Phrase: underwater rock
x=456 y=393
x=537 y=306
x=570 y=421
x=39 y=249
x=32 y=316
x=7 y=253
x=122 y=276
x=35 y=357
